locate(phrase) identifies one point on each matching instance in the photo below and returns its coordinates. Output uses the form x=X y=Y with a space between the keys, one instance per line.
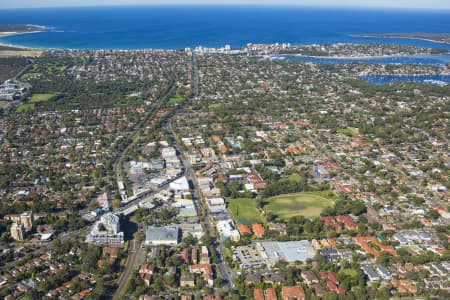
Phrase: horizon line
x=355 y=7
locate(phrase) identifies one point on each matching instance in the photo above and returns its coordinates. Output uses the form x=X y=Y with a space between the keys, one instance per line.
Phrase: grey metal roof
x=162 y=233
x=289 y=251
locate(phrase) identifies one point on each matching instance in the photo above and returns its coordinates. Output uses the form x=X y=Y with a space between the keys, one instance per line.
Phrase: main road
x=202 y=208
x=134 y=253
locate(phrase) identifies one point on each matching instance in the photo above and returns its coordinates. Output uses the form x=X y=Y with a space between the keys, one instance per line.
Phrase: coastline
x=44 y=28
x=38 y=29
x=361 y=57
x=398 y=37
x=5 y=34
x=11 y=50
x=153 y=27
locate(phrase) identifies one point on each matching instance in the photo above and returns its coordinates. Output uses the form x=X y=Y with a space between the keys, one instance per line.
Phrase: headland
x=442 y=38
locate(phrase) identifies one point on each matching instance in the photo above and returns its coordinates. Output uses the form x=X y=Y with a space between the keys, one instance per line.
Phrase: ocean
x=178 y=27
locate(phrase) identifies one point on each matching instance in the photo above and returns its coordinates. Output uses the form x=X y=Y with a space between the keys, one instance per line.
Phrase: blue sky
x=430 y=4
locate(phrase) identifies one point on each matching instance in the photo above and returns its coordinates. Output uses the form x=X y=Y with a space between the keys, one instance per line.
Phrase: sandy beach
x=14 y=50
x=3 y=34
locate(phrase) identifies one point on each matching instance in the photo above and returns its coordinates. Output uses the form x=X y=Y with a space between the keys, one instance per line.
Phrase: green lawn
x=2 y=104
x=25 y=108
x=177 y=100
x=49 y=68
x=52 y=68
x=41 y=97
x=350 y=272
x=295 y=177
x=346 y=131
x=61 y=68
x=244 y=211
x=307 y=204
x=29 y=75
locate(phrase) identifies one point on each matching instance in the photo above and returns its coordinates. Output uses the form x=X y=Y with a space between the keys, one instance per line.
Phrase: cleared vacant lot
x=307 y=204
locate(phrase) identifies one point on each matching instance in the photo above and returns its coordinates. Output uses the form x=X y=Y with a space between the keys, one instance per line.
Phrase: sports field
x=41 y=97
x=307 y=204
x=244 y=211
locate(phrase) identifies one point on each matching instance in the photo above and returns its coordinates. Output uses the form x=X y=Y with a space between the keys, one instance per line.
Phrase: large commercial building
x=194 y=230
x=27 y=220
x=106 y=230
x=180 y=185
x=289 y=251
x=227 y=230
x=216 y=205
x=168 y=152
x=17 y=231
x=269 y=253
x=157 y=236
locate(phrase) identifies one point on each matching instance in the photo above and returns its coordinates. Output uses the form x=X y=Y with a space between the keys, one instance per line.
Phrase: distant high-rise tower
x=17 y=231
x=27 y=220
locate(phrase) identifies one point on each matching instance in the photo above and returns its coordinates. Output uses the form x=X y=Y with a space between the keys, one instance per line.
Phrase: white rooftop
x=180 y=184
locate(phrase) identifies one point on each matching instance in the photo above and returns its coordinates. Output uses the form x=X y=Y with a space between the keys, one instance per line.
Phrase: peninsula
x=443 y=38
x=10 y=29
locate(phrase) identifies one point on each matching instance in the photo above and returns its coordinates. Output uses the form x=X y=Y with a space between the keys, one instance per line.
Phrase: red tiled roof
x=244 y=229
x=331 y=285
x=292 y=292
x=257 y=181
x=348 y=221
x=258 y=294
x=258 y=229
x=333 y=278
x=328 y=220
x=85 y=292
x=271 y=294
